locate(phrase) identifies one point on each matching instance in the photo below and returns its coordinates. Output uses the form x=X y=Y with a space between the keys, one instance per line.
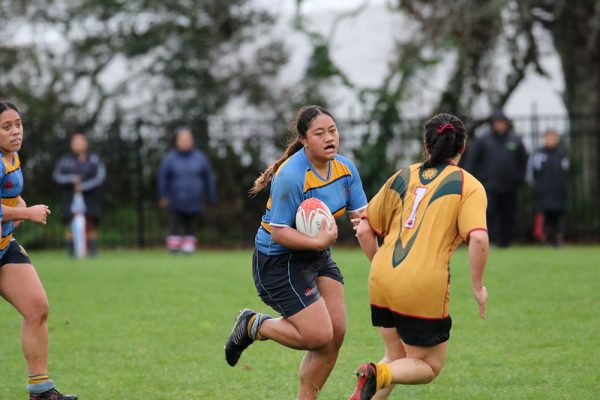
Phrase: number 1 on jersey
x=419 y=194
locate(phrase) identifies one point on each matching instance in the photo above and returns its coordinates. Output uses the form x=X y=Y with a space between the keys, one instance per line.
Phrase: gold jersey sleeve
x=422 y=215
x=381 y=209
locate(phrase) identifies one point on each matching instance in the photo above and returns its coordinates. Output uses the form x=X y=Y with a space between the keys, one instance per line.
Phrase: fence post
x=140 y=184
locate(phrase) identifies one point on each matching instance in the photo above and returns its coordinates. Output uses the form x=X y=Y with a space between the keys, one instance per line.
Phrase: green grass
x=145 y=325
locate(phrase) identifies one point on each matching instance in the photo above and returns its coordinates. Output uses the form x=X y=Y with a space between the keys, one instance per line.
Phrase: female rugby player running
x=294 y=273
x=19 y=282
x=422 y=213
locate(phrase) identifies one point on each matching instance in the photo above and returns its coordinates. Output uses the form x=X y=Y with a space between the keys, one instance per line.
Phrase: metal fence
x=239 y=149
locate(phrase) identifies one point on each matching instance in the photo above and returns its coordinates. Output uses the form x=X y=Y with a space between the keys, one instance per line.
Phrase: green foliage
x=128 y=72
x=178 y=61
x=147 y=325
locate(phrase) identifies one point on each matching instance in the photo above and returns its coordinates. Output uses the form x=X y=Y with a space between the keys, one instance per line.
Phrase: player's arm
x=357 y=200
x=373 y=221
x=367 y=238
x=296 y=240
x=37 y=213
x=355 y=217
x=472 y=227
x=478 y=253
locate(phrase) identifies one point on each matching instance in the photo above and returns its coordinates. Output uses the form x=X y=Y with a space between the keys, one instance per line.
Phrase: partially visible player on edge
x=422 y=213
x=19 y=282
x=294 y=273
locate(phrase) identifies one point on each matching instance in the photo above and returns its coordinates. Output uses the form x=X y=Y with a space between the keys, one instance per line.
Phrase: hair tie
x=446 y=127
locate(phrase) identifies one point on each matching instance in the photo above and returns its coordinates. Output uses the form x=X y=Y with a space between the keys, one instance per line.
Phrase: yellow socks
x=250 y=324
x=254 y=324
x=383 y=376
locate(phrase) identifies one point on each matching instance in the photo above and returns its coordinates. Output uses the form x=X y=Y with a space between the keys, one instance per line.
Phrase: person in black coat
x=185 y=182
x=548 y=174
x=81 y=172
x=498 y=160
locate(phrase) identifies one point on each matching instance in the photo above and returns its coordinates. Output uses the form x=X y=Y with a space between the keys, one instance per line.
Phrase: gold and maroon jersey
x=422 y=216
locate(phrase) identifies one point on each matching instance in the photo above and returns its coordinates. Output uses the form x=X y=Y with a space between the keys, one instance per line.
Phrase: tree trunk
x=576 y=33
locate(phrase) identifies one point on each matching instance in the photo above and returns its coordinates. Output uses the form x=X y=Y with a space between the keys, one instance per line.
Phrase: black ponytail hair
x=444 y=136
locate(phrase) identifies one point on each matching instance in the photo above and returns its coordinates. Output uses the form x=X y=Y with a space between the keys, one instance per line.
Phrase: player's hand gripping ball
x=310 y=216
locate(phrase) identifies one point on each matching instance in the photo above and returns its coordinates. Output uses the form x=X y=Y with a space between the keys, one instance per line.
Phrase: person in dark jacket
x=185 y=181
x=548 y=174
x=498 y=160
x=81 y=171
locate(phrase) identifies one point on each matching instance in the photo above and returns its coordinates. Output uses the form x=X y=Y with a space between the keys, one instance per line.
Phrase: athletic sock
x=254 y=324
x=39 y=383
x=383 y=375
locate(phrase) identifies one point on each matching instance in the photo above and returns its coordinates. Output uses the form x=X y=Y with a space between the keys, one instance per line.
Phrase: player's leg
x=287 y=283
x=317 y=364
x=421 y=364
x=21 y=287
x=394 y=350
x=308 y=329
x=423 y=360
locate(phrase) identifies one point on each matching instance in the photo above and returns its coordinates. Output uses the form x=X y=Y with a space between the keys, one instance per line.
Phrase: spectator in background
x=498 y=160
x=81 y=171
x=185 y=181
x=547 y=174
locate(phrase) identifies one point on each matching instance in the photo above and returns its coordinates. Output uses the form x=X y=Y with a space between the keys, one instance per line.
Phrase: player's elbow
x=479 y=238
x=278 y=235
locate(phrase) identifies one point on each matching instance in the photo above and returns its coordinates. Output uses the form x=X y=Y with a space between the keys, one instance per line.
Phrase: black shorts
x=288 y=282
x=15 y=254
x=413 y=331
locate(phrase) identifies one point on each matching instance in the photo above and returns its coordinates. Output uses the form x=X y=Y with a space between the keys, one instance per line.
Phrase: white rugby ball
x=310 y=215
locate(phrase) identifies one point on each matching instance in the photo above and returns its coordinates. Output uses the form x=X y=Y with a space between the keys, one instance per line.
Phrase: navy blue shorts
x=412 y=330
x=15 y=254
x=288 y=282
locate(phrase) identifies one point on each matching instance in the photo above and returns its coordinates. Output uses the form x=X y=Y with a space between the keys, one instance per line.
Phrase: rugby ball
x=311 y=214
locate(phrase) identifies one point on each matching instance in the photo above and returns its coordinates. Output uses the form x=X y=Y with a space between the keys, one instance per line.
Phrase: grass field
x=146 y=325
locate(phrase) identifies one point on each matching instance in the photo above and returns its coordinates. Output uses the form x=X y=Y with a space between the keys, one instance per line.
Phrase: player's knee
x=318 y=339
x=339 y=332
x=37 y=311
x=436 y=368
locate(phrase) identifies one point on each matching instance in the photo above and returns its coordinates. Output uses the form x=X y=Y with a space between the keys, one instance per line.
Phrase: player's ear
x=303 y=140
